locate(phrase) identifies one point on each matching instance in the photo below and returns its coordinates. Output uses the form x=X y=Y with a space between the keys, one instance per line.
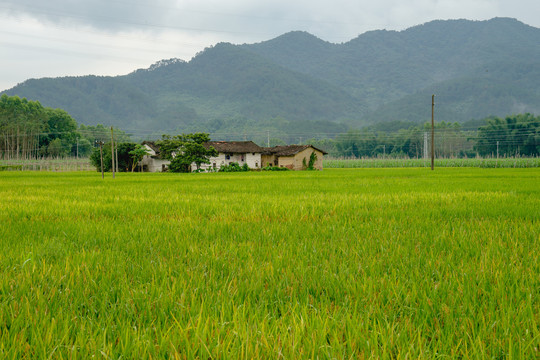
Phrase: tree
x=186 y=149
x=515 y=135
x=84 y=147
x=137 y=155
x=125 y=159
x=55 y=149
x=21 y=122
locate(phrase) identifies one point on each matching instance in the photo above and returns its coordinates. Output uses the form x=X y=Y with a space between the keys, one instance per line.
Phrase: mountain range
x=300 y=83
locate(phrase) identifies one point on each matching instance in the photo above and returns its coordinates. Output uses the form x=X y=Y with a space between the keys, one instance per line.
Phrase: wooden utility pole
x=112 y=151
x=432 y=132
x=100 y=143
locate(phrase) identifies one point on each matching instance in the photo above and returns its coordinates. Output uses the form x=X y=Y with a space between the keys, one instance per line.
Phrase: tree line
x=29 y=130
x=516 y=135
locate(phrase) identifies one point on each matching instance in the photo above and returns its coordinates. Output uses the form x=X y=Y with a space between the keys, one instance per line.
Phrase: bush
x=234 y=167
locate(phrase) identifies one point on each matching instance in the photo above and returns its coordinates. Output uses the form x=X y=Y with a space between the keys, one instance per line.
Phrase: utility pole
x=116 y=155
x=77 y=148
x=432 y=132
x=112 y=151
x=425 y=145
x=268 y=138
x=100 y=143
x=497 y=149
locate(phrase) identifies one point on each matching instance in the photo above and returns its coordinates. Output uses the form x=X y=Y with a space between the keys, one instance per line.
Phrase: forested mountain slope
x=297 y=82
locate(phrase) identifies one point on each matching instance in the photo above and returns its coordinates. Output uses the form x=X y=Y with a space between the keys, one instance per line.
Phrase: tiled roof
x=289 y=150
x=152 y=145
x=235 y=147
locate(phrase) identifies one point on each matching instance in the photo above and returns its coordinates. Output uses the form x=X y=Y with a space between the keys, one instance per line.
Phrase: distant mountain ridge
x=298 y=82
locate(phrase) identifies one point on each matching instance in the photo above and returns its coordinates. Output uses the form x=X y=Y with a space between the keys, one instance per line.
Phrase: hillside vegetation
x=299 y=83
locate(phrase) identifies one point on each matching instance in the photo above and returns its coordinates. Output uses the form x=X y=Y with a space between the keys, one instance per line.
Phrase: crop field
x=518 y=162
x=343 y=263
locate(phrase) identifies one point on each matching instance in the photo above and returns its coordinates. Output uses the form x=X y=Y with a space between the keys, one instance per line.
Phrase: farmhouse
x=153 y=161
x=241 y=152
x=294 y=157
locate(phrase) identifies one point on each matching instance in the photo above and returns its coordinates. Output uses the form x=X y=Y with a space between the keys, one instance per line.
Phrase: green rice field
x=514 y=162
x=344 y=263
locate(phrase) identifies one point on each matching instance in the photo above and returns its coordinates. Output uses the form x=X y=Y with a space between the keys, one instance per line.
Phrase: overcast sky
x=115 y=37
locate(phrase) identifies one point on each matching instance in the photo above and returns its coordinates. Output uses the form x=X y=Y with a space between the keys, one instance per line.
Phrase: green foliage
x=374 y=263
x=125 y=157
x=96 y=158
x=476 y=69
x=32 y=131
x=184 y=150
x=137 y=154
x=21 y=122
x=418 y=163
x=312 y=160
x=234 y=167
x=55 y=148
x=84 y=147
x=512 y=136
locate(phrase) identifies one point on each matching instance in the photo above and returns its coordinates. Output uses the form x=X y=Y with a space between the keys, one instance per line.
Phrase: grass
x=519 y=162
x=344 y=263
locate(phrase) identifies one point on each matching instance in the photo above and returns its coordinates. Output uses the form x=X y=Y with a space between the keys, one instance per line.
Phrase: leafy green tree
x=21 y=122
x=84 y=147
x=125 y=159
x=55 y=148
x=137 y=155
x=514 y=135
x=95 y=158
x=60 y=125
x=186 y=149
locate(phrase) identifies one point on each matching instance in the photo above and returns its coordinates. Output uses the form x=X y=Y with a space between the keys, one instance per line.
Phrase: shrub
x=234 y=167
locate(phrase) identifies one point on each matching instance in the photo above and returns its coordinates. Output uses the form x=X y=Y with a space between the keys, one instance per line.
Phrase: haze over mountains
x=297 y=82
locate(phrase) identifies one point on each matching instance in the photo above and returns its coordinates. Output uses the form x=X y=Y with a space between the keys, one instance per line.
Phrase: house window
x=256 y=164
x=227 y=156
x=214 y=165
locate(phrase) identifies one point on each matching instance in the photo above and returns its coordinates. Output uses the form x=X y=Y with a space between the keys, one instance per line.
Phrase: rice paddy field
x=512 y=162
x=343 y=263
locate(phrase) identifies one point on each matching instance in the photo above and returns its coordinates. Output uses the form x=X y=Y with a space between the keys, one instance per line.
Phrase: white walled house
x=153 y=161
x=241 y=152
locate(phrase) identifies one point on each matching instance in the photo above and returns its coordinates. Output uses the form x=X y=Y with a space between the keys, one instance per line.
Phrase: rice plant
x=343 y=263
x=518 y=162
